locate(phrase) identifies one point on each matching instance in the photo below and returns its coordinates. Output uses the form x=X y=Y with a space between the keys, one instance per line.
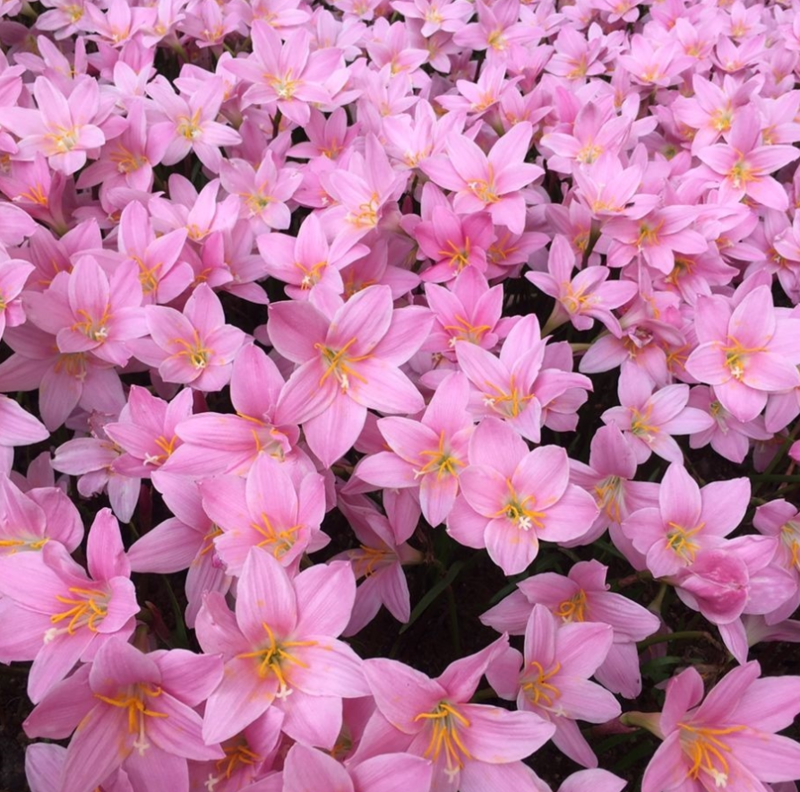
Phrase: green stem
x=776 y=460
x=685 y=635
x=180 y=625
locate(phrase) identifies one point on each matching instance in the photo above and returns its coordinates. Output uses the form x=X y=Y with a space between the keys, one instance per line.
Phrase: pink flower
x=89 y=312
x=472 y=746
x=584 y=596
x=648 y=421
x=745 y=351
x=191 y=124
x=185 y=540
x=61 y=129
x=729 y=740
x=551 y=679
x=267 y=510
x=511 y=498
x=195 y=347
x=493 y=183
x=746 y=166
x=348 y=363
x=131 y=710
x=67 y=614
x=281 y=643
x=687 y=521
x=584 y=298
x=379 y=561
x=429 y=453
x=230 y=443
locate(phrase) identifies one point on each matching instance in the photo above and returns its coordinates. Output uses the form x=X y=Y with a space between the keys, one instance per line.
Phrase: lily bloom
x=492 y=183
x=130 y=710
x=688 y=520
x=584 y=596
x=67 y=614
x=511 y=498
x=551 y=678
x=195 y=347
x=473 y=747
x=279 y=644
x=745 y=351
x=729 y=740
x=746 y=166
x=349 y=362
x=429 y=453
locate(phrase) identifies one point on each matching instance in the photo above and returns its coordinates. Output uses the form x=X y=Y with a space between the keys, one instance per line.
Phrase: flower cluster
x=311 y=304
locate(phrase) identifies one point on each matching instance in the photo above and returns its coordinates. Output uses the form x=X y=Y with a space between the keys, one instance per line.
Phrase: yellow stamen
x=679 y=540
x=88 y=607
x=441 y=460
x=538 y=690
x=446 y=721
x=707 y=751
x=573 y=609
x=520 y=511
x=274 y=656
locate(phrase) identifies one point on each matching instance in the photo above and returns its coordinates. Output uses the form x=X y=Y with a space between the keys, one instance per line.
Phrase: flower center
x=679 y=540
x=790 y=536
x=639 y=426
x=446 y=721
x=484 y=190
x=707 y=751
x=338 y=364
x=134 y=699
x=275 y=658
x=589 y=153
x=509 y=404
x=280 y=542
x=96 y=330
x=88 y=606
x=167 y=446
x=197 y=352
x=366 y=560
x=609 y=495
x=189 y=127
x=538 y=690
x=441 y=461
x=311 y=275
x=736 y=357
x=741 y=173
x=519 y=510
x=238 y=754
x=367 y=214
x=27 y=544
x=458 y=256
x=574 y=608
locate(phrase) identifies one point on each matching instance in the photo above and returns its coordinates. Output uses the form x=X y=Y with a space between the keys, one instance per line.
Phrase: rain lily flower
x=195 y=347
x=511 y=498
x=492 y=183
x=745 y=352
x=62 y=614
x=133 y=711
x=280 y=644
x=471 y=746
x=746 y=166
x=429 y=453
x=648 y=420
x=584 y=596
x=551 y=678
x=347 y=363
x=265 y=511
x=379 y=560
x=729 y=739
x=688 y=520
